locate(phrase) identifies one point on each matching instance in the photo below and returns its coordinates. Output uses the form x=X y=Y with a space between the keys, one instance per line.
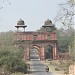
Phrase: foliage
x=16 y=65
x=65 y=39
x=57 y=69
x=12 y=62
x=6 y=38
x=61 y=65
x=40 y=30
x=11 y=57
x=64 y=65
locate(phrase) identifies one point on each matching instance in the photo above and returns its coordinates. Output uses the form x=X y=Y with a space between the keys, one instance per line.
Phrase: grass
x=18 y=74
x=53 y=67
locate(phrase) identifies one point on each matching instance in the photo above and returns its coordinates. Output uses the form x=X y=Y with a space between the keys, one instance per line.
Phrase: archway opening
x=34 y=53
x=48 y=52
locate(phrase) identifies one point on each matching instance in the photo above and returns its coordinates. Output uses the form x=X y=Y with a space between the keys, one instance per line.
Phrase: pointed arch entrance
x=34 y=52
x=48 y=52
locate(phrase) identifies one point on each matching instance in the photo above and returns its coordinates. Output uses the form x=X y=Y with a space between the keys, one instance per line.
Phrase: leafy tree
x=40 y=30
x=12 y=62
x=11 y=57
x=16 y=65
x=65 y=39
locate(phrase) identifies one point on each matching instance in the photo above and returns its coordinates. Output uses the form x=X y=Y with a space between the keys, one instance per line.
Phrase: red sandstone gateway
x=45 y=41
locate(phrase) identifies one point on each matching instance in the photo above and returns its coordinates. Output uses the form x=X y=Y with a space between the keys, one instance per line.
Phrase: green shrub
x=12 y=62
x=51 y=63
x=57 y=69
x=16 y=65
x=10 y=55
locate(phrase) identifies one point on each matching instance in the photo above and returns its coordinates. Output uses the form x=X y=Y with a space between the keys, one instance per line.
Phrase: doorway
x=49 y=52
x=34 y=54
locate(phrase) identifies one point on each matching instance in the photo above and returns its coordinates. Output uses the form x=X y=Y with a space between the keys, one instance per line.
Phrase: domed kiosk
x=21 y=24
x=48 y=26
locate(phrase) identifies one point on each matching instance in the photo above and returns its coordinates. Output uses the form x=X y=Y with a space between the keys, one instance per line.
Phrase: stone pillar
x=55 y=51
x=42 y=53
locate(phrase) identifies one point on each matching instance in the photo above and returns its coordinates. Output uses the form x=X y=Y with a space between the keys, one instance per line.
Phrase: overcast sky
x=33 y=12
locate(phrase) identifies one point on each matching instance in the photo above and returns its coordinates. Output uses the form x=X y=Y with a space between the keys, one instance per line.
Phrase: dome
x=20 y=22
x=47 y=22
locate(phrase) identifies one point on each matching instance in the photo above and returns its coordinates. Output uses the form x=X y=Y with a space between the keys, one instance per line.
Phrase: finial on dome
x=21 y=22
x=48 y=22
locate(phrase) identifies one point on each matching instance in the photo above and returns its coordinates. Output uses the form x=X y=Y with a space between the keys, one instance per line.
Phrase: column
x=42 y=53
x=55 y=51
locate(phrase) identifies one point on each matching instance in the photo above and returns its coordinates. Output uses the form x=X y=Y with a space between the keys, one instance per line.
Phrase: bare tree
x=4 y=1
x=66 y=13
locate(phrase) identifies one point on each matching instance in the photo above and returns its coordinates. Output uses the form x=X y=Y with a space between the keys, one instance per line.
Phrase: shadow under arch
x=48 y=52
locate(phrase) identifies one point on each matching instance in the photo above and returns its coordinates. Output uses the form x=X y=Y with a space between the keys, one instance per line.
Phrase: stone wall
x=64 y=55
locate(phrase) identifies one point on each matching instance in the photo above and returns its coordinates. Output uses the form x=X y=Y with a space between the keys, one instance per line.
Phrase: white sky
x=33 y=12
